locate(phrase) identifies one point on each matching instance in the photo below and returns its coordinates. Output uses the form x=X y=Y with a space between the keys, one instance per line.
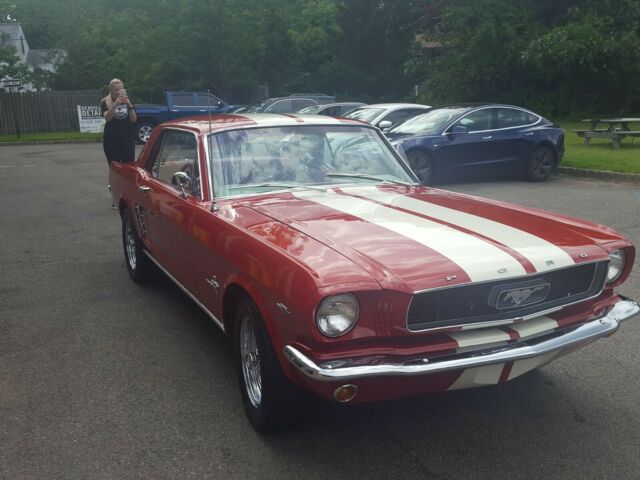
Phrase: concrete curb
x=47 y=142
x=599 y=174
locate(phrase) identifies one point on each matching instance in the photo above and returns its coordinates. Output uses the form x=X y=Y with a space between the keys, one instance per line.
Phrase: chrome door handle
x=527 y=134
x=144 y=188
x=487 y=138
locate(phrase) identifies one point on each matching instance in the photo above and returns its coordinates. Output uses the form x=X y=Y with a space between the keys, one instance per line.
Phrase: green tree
x=481 y=55
x=376 y=46
x=589 y=62
x=558 y=57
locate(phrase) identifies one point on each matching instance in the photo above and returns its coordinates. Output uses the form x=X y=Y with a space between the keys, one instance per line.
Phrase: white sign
x=90 y=119
x=11 y=82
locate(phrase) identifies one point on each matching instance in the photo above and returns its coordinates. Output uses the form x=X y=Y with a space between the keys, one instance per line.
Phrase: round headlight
x=337 y=314
x=617 y=259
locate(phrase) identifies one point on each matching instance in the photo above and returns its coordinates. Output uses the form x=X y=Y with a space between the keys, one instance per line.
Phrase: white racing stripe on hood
x=284 y=120
x=480 y=259
x=542 y=254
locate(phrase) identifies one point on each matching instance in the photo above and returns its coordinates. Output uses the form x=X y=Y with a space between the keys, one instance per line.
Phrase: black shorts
x=119 y=151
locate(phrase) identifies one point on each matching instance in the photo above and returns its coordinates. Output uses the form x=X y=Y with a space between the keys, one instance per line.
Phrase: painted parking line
x=19 y=166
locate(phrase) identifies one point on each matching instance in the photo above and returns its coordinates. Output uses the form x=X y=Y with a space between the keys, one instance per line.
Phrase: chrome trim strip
x=528 y=275
x=444 y=132
x=184 y=289
x=207 y=139
x=384 y=139
x=197 y=159
x=494 y=323
x=589 y=332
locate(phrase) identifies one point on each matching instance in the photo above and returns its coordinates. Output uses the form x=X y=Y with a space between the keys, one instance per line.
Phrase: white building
x=11 y=35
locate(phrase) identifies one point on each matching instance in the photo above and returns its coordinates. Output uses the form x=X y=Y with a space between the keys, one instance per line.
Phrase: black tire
x=270 y=400
x=541 y=164
x=138 y=264
x=143 y=132
x=422 y=164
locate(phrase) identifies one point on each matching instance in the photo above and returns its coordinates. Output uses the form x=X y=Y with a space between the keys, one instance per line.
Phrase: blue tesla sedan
x=454 y=138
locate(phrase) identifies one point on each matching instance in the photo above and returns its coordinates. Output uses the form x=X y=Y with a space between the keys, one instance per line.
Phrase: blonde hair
x=112 y=84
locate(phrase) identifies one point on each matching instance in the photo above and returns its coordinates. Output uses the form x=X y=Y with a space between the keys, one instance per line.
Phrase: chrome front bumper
x=593 y=330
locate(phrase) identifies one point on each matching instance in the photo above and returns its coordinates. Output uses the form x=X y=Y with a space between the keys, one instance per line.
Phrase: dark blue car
x=464 y=137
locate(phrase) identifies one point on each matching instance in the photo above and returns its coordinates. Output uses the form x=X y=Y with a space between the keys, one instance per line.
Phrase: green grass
x=42 y=137
x=599 y=154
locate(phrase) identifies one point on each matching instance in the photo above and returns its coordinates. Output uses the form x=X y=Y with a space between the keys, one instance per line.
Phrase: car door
x=516 y=134
x=168 y=210
x=209 y=103
x=468 y=142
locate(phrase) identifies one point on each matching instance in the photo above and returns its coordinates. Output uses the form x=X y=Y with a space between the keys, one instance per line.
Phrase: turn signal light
x=345 y=393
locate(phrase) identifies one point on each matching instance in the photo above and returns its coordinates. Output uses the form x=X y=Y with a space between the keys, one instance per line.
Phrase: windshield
x=309 y=109
x=364 y=114
x=258 y=160
x=431 y=122
x=262 y=105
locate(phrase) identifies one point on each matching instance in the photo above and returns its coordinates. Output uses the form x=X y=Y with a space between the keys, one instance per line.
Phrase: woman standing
x=120 y=115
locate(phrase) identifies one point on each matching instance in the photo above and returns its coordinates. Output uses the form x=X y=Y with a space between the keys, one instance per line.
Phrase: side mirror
x=385 y=125
x=459 y=129
x=183 y=181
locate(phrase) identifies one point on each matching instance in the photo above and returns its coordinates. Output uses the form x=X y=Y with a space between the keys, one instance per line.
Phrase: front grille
x=476 y=303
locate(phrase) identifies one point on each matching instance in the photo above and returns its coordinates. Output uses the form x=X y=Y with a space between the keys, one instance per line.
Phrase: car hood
x=417 y=238
x=397 y=135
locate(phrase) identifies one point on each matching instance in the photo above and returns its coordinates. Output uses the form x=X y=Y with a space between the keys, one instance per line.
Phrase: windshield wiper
x=276 y=185
x=265 y=184
x=369 y=177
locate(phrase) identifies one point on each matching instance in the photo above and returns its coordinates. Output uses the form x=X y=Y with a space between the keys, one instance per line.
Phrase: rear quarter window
x=510 y=117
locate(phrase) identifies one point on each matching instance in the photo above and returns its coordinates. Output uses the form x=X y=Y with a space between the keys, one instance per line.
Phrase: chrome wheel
x=138 y=265
x=130 y=244
x=250 y=358
x=270 y=400
x=144 y=132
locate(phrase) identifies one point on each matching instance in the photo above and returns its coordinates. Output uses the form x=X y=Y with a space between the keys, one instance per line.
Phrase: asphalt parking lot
x=103 y=379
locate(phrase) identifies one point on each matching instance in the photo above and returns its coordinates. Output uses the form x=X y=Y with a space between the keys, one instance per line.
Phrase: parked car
x=330 y=109
x=291 y=103
x=179 y=105
x=460 y=137
x=239 y=109
x=387 y=115
x=310 y=242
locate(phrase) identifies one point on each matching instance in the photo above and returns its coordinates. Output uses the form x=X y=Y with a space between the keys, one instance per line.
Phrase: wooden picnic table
x=617 y=129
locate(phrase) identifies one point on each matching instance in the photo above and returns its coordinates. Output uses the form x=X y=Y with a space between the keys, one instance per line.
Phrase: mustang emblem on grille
x=520 y=296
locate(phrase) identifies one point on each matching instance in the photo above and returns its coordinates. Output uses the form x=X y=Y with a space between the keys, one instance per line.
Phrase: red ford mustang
x=311 y=243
